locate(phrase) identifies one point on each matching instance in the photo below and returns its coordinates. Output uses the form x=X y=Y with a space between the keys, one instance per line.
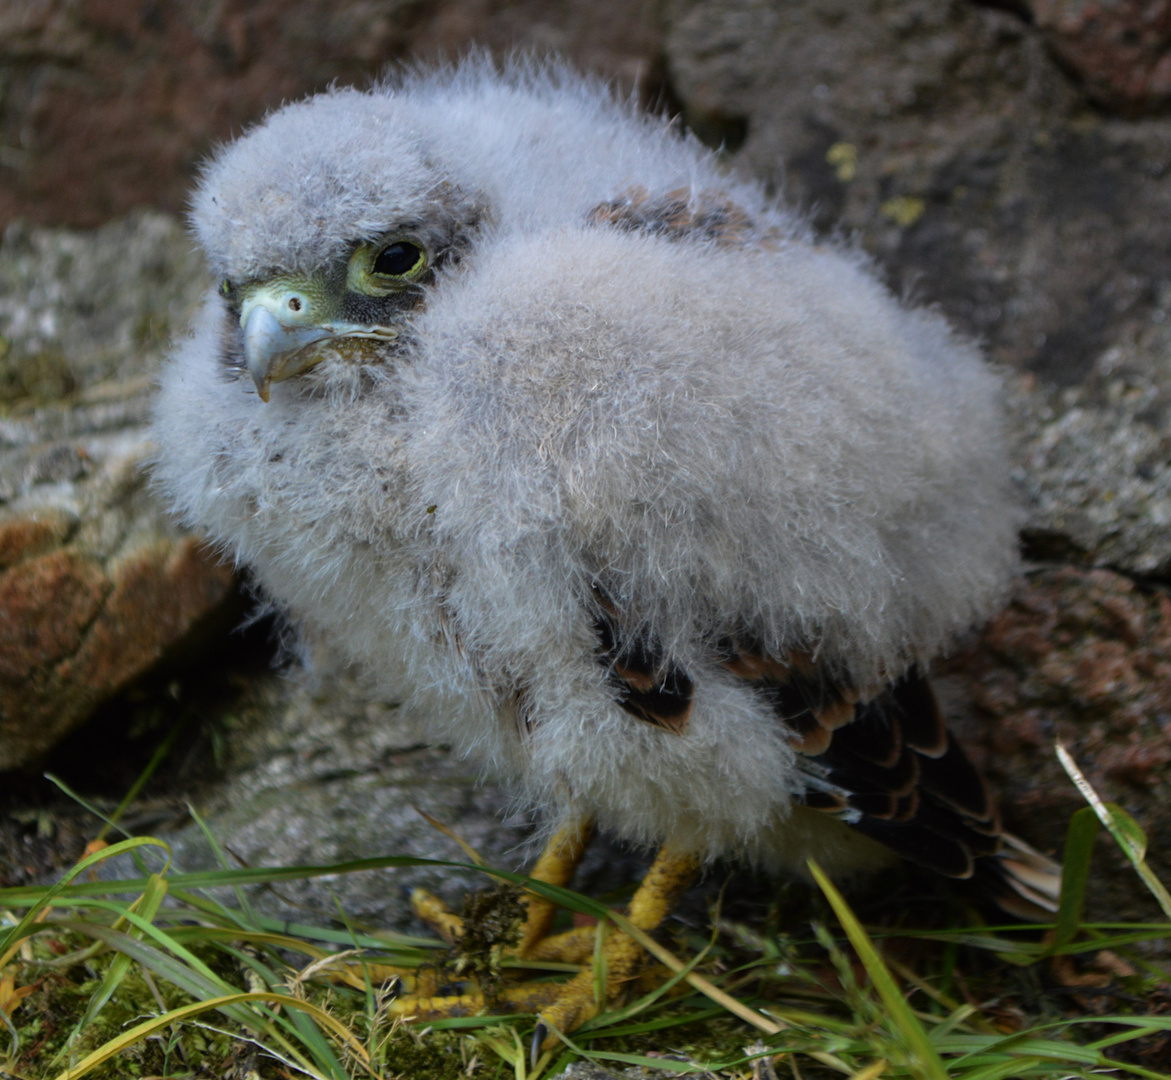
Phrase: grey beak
x=271 y=348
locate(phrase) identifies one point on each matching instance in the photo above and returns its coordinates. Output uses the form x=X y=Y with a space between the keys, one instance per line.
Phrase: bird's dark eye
x=397 y=259
x=386 y=267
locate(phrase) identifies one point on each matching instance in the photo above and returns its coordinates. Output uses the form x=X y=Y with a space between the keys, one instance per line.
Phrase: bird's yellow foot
x=562 y=1007
x=420 y=994
x=421 y=989
x=556 y=866
x=668 y=878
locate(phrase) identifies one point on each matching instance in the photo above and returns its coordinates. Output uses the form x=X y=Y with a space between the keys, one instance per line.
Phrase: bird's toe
x=437 y=915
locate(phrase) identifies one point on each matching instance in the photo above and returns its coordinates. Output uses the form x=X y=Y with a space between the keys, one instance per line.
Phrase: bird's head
x=287 y=319
x=326 y=225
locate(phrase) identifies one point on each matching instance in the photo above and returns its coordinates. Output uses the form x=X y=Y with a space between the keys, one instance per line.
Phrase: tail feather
x=1026 y=884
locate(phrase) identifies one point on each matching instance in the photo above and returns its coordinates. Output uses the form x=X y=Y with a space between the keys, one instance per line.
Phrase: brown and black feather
x=903 y=779
x=646 y=682
x=882 y=762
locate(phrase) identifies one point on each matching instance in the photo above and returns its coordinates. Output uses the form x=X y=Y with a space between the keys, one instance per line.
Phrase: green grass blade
x=1127 y=832
x=618 y=1016
x=1140 y=1025
x=302 y=1022
x=646 y=1026
x=1005 y=1070
x=148 y=907
x=368 y=985
x=249 y=916
x=1075 y=874
x=23 y=895
x=195 y=979
x=224 y=1004
x=39 y=899
x=1023 y=1043
x=684 y=1068
x=901 y=1018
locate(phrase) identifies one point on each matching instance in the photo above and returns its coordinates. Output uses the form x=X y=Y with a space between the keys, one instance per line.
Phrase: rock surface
x=945 y=137
x=1082 y=657
x=320 y=774
x=1095 y=459
x=95 y=583
x=107 y=105
x=1120 y=50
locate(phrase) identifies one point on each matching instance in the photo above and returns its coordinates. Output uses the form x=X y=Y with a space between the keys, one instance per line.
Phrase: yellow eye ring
x=387 y=266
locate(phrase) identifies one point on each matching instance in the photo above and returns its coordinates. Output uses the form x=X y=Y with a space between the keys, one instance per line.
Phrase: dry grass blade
x=1125 y=830
x=714 y=993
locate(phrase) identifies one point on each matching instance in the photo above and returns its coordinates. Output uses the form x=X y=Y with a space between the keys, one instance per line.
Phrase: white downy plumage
x=649 y=491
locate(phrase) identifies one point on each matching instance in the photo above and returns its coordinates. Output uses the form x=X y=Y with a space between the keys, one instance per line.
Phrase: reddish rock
x=46 y=605
x=158 y=593
x=1082 y=657
x=109 y=105
x=74 y=629
x=96 y=581
x=1120 y=50
x=31 y=535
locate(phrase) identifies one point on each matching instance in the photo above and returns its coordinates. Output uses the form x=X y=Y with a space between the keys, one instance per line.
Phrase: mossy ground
x=821 y=991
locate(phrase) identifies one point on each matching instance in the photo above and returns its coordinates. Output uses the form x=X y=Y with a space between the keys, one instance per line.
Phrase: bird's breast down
x=599 y=437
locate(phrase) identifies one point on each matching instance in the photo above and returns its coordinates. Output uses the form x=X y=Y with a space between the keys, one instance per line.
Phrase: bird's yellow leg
x=436 y=914
x=423 y=981
x=556 y=866
x=566 y=1006
x=668 y=878
x=522 y=997
x=574 y=946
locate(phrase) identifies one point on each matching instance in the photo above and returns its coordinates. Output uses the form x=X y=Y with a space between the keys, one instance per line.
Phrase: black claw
x=539 y=1036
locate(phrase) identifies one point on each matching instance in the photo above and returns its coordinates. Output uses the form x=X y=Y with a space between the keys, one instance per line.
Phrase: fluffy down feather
x=640 y=401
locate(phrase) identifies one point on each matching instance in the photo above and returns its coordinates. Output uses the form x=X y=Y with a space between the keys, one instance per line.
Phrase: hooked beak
x=277 y=348
x=274 y=350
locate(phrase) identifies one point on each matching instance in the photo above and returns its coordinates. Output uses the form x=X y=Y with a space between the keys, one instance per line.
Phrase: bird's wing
x=886 y=764
x=893 y=771
x=883 y=762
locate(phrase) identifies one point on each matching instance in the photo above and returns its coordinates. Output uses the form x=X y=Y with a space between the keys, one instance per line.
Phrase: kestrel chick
x=526 y=404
